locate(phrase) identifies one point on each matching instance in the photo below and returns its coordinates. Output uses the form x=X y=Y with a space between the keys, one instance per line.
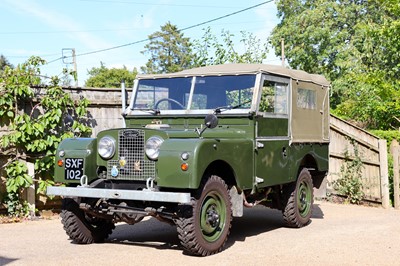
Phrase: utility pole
x=283 y=51
x=67 y=55
x=75 y=68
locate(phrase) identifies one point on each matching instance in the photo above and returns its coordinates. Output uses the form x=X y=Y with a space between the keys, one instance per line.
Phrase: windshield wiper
x=147 y=110
x=219 y=110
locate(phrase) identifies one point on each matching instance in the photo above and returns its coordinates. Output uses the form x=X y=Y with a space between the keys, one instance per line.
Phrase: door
x=272 y=132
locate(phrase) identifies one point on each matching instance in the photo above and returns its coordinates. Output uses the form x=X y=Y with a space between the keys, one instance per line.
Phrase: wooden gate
x=372 y=151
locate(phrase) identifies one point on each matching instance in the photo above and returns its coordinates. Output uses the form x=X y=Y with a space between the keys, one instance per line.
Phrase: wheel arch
x=222 y=169
x=311 y=164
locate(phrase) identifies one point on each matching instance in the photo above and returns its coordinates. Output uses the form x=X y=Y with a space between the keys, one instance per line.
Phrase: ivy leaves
x=34 y=122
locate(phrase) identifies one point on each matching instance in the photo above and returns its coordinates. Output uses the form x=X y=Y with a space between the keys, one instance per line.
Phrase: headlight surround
x=153 y=145
x=106 y=147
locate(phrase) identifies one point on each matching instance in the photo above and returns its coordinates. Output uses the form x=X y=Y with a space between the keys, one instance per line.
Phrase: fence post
x=394 y=149
x=384 y=171
x=30 y=191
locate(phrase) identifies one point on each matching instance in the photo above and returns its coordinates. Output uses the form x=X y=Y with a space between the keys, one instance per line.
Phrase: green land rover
x=197 y=148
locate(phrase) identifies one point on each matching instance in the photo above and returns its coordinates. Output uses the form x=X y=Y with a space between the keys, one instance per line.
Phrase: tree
x=355 y=45
x=102 y=77
x=4 y=63
x=209 y=50
x=33 y=135
x=169 y=51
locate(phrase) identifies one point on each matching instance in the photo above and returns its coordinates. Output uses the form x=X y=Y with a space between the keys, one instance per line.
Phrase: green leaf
x=10 y=114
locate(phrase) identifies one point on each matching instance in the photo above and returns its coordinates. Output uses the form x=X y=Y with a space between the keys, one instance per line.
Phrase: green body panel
x=318 y=151
x=77 y=148
x=279 y=163
x=276 y=162
x=273 y=162
x=269 y=127
x=237 y=153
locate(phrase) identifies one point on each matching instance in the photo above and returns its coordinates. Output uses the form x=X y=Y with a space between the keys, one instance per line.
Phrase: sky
x=50 y=29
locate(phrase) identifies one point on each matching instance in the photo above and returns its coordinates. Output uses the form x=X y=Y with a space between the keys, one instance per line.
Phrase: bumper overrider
x=123 y=194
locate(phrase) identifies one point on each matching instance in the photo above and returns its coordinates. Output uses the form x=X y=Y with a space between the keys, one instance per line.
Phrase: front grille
x=131 y=163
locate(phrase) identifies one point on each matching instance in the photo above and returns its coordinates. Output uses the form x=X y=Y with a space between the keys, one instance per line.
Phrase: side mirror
x=211 y=121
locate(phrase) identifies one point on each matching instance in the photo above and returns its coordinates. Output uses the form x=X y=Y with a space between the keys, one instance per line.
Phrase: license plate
x=73 y=168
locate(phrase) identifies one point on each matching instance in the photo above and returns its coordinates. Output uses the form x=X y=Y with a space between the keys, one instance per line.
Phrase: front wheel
x=299 y=199
x=82 y=229
x=206 y=229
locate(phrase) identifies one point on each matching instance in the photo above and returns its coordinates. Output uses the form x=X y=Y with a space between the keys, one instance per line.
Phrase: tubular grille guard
x=132 y=164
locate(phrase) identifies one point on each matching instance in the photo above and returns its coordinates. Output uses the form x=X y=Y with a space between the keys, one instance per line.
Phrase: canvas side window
x=306 y=99
x=199 y=101
x=274 y=97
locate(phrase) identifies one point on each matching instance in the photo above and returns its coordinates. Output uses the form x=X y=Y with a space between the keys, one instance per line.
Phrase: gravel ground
x=338 y=235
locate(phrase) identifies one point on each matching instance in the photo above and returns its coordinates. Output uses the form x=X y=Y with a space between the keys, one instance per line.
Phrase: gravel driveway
x=338 y=235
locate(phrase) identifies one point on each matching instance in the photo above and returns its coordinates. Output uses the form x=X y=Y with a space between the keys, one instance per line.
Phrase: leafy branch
x=34 y=125
x=349 y=183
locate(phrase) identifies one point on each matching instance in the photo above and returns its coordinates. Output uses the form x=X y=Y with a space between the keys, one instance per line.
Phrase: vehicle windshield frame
x=244 y=84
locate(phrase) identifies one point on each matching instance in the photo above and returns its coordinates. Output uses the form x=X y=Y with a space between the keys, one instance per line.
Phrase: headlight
x=106 y=147
x=153 y=147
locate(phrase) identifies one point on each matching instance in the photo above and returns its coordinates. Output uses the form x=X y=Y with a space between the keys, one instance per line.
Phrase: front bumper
x=100 y=193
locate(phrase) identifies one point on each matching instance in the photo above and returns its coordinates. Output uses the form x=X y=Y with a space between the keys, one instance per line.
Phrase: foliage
x=388 y=135
x=103 y=77
x=209 y=50
x=169 y=51
x=33 y=136
x=4 y=63
x=349 y=183
x=355 y=44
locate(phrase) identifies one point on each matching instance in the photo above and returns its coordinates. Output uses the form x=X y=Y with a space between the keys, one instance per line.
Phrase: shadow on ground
x=152 y=233
x=5 y=260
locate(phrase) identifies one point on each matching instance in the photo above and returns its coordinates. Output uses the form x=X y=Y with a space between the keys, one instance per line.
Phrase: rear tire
x=206 y=229
x=80 y=228
x=299 y=201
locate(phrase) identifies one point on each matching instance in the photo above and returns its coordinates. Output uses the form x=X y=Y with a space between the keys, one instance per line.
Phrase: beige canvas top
x=232 y=69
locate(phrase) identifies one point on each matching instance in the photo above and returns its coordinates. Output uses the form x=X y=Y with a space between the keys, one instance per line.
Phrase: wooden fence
x=105 y=112
x=395 y=151
x=345 y=139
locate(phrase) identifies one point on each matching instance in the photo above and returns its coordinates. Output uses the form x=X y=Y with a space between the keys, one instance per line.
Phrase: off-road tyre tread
x=79 y=229
x=291 y=215
x=186 y=225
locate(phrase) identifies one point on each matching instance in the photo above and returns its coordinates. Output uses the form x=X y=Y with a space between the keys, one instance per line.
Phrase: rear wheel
x=299 y=200
x=82 y=229
x=206 y=230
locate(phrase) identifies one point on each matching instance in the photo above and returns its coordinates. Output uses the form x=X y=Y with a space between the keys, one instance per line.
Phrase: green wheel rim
x=212 y=216
x=304 y=195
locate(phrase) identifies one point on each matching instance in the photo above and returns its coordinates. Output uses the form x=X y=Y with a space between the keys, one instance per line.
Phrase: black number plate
x=73 y=168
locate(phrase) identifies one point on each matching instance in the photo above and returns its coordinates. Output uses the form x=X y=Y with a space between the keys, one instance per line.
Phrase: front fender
x=76 y=148
x=202 y=152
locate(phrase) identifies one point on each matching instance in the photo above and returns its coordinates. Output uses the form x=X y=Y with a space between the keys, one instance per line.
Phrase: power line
x=156 y=4
x=183 y=29
x=100 y=30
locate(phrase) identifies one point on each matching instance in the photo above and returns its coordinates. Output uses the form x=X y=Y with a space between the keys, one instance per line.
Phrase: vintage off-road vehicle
x=199 y=146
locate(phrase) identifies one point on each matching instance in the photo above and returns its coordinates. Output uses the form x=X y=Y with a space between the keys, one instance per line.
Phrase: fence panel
x=345 y=137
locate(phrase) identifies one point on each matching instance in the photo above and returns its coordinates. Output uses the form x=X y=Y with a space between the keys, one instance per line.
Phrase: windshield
x=195 y=93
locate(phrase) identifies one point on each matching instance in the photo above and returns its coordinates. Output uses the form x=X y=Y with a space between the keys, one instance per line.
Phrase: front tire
x=206 y=229
x=80 y=228
x=299 y=200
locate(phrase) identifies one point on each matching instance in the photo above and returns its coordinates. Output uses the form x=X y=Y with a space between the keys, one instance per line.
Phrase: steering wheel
x=168 y=100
